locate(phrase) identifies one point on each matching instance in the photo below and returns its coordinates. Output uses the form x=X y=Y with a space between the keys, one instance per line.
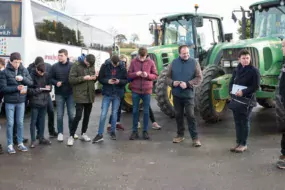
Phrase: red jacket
x=139 y=84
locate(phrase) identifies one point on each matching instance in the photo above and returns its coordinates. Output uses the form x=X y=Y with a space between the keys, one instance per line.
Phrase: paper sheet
x=237 y=88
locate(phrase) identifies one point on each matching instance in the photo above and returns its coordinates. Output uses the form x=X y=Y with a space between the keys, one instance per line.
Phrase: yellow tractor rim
x=218 y=105
x=128 y=98
x=169 y=95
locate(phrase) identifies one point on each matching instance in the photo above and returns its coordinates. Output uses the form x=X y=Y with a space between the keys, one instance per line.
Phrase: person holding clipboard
x=244 y=83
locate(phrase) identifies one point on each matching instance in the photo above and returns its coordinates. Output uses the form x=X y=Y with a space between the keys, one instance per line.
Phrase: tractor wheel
x=164 y=95
x=266 y=103
x=279 y=109
x=210 y=109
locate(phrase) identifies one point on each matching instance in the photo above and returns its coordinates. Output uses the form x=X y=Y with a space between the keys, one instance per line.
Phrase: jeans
x=10 y=110
x=119 y=112
x=50 y=112
x=38 y=118
x=151 y=115
x=79 y=109
x=146 y=103
x=242 y=124
x=283 y=145
x=61 y=100
x=187 y=104
x=104 y=110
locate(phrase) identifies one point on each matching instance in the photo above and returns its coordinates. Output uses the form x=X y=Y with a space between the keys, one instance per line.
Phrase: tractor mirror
x=229 y=37
x=199 y=21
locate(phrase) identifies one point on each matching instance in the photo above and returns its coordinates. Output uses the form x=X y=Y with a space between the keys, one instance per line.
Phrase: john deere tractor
x=267 y=29
x=204 y=35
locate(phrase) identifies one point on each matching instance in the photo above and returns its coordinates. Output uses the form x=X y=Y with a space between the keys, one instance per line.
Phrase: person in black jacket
x=113 y=77
x=50 y=108
x=38 y=98
x=59 y=76
x=248 y=76
x=14 y=81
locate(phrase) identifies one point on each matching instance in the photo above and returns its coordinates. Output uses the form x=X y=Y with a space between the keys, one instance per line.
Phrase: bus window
x=84 y=33
x=10 y=19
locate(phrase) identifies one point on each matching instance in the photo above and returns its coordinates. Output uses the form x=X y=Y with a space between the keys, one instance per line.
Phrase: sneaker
x=145 y=135
x=11 y=149
x=33 y=145
x=113 y=135
x=97 y=139
x=70 y=141
x=233 y=149
x=155 y=126
x=53 y=134
x=196 y=143
x=109 y=128
x=139 y=125
x=76 y=136
x=60 y=137
x=178 y=139
x=134 y=136
x=1 y=149
x=44 y=141
x=22 y=148
x=120 y=127
x=281 y=162
x=241 y=149
x=85 y=138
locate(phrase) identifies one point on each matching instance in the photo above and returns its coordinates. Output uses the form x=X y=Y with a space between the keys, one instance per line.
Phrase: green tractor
x=267 y=30
x=205 y=37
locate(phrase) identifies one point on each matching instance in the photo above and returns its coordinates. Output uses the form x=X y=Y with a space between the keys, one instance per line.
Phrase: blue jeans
x=10 y=111
x=146 y=102
x=60 y=103
x=104 y=111
x=37 y=118
x=242 y=124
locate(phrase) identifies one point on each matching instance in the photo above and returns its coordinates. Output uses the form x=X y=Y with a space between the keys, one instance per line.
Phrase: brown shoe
x=233 y=149
x=196 y=143
x=241 y=149
x=178 y=139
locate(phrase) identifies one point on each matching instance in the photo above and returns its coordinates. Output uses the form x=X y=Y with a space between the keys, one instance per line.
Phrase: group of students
x=75 y=86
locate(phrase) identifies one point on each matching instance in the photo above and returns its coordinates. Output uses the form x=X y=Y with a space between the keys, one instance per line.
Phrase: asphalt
x=156 y=164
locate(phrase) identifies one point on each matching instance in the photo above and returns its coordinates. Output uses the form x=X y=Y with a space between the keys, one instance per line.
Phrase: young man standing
x=113 y=77
x=63 y=91
x=183 y=75
x=2 y=67
x=14 y=81
x=142 y=72
x=82 y=78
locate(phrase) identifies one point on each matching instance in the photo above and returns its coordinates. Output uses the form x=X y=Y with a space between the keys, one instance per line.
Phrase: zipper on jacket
x=141 y=77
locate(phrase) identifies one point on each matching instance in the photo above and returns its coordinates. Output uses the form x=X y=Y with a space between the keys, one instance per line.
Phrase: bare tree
x=56 y=3
x=135 y=38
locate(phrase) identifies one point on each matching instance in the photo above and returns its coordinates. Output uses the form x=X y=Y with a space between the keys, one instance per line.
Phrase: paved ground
x=157 y=164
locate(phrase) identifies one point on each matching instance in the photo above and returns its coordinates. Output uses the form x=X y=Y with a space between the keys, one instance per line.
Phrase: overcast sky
x=107 y=12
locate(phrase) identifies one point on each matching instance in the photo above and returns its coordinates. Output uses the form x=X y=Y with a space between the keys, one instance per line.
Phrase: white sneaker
x=70 y=141
x=60 y=137
x=85 y=138
x=75 y=136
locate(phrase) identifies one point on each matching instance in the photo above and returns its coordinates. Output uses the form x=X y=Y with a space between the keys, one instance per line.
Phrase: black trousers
x=78 y=115
x=283 y=145
x=187 y=104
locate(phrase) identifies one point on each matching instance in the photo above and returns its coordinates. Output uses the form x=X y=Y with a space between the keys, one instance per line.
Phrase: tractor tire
x=266 y=103
x=279 y=109
x=206 y=107
x=164 y=95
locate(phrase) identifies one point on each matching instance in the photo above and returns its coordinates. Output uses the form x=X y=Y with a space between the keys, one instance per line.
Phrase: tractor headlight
x=227 y=64
x=235 y=63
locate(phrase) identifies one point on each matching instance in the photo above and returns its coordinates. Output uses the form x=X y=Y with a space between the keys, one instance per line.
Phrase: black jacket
x=60 y=73
x=38 y=98
x=9 y=84
x=108 y=71
x=248 y=76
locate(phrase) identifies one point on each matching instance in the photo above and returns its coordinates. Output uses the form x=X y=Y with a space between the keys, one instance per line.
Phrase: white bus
x=34 y=29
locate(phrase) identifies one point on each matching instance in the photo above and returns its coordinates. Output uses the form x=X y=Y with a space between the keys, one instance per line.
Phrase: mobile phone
x=114 y=79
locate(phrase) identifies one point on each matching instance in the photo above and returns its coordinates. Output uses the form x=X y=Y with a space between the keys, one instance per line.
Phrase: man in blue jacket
x=14 y=81
x=63 y=91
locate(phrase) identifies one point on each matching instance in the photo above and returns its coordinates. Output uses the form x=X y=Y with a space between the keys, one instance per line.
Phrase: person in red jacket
x=142 y=72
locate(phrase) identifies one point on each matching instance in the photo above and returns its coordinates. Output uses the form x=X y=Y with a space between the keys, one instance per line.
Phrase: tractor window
x=208 y=34
x=270 y=22
x=178 y=32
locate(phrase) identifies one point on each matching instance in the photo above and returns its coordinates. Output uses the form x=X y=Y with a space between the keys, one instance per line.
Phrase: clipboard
x=237 y=88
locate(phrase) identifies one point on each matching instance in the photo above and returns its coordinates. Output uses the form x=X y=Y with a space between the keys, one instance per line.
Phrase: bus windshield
x=270 y=22
x=10 y=19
